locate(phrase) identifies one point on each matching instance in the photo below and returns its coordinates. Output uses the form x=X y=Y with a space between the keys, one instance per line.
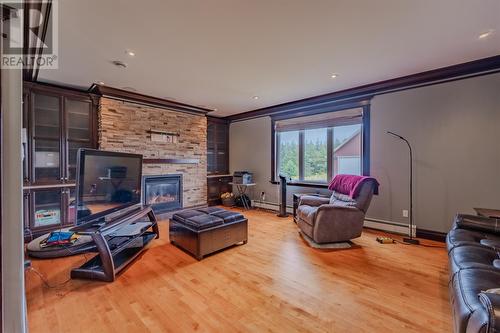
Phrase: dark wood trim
x=1 y=186
x=445 y=74
x=302 y=184
x=366 y=141
x=302 y=140
x=431 y=235
x=171 y=161
x=58 y=89
x=121 y=94
x=217 y=120
x=43 y=37
x=31 y=73
x=273 y=151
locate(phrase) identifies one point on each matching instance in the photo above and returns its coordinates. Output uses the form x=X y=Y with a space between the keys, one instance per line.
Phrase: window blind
x=322 y=120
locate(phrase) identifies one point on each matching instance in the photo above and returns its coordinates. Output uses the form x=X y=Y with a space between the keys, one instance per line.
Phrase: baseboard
x=388 y=226
x=377 y=224
x=431 y=235
x=270 y=206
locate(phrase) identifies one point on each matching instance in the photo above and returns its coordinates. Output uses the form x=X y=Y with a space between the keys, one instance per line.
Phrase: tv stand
x=110 y=260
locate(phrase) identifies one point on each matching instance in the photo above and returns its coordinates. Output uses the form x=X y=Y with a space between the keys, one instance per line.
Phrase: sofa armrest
x=492 y=304
x=311 y=200
x=478 y=223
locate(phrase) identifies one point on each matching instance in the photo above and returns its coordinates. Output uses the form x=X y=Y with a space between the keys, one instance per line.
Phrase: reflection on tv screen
x=108 y=182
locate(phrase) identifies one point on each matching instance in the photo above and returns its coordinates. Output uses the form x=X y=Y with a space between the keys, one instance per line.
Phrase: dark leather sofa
x=474 y=259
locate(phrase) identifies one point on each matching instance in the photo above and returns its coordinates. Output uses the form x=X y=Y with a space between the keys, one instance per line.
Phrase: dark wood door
x=217 y=146
x=45 y=131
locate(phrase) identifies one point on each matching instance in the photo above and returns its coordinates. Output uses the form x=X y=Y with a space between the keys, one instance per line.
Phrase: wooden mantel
x=170 y=161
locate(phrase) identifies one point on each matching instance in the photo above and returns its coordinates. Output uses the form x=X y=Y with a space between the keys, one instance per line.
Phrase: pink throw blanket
x=351 y=184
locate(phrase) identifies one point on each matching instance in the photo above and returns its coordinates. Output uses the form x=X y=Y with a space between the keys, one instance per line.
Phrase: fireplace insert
x=162 y=192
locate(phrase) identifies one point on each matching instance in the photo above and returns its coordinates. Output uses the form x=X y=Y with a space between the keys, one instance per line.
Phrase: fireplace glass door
x=163 y=193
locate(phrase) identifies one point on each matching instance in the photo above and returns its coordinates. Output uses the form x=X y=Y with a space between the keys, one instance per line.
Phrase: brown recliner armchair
x=337 y=219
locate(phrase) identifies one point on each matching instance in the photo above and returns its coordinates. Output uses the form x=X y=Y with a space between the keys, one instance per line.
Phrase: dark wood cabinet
x=217 y=160
x=216 y=186
x=57 y=122
x=217 y=146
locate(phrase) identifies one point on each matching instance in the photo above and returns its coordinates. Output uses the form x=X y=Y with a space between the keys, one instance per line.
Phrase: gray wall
x=455 y=131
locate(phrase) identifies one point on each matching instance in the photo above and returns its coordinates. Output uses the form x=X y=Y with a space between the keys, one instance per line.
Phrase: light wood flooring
x=275 y=283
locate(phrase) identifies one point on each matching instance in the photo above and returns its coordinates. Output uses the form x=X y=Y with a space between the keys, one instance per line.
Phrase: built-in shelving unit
x=57 y=123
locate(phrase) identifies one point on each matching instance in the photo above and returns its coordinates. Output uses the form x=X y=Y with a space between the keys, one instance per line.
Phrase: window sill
x=303 y=184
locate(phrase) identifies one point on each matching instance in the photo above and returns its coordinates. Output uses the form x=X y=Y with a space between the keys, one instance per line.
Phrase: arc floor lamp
x=410 y=239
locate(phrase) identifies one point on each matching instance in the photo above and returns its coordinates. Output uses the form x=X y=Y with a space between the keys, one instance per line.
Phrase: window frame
x=365 y=144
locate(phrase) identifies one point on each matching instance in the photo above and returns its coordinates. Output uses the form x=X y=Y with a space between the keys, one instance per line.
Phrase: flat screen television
x=106 y=182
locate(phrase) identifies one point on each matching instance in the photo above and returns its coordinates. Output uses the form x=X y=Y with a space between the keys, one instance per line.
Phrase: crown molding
x=436 y=76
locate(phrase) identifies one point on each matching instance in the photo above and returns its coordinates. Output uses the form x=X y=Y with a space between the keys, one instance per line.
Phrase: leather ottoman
x=208 y=230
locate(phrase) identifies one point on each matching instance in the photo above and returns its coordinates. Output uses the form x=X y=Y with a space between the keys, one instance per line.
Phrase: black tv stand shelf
x=111 y=260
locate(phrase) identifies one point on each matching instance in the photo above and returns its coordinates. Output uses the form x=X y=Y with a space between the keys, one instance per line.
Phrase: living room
x=325 y=166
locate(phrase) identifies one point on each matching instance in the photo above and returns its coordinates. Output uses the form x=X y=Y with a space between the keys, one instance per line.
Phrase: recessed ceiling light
x=100 y=83
x=255 y=97
x=486 y=34
x=334 y=76
x=130 y=53
x=215 y=109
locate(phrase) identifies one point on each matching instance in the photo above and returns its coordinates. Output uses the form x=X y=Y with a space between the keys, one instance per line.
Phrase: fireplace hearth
x=162 y=192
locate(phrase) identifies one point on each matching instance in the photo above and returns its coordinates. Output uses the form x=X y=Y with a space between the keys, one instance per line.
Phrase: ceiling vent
x=119 y=63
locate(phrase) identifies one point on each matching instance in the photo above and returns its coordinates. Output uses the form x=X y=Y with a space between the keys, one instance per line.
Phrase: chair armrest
x=492 y=304
x=311 y=200
x=478 y=223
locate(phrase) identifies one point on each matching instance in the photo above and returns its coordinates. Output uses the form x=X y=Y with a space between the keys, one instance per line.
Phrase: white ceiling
x=221 y=53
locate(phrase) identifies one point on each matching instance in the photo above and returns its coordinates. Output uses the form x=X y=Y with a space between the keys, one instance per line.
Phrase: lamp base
x=411 y=241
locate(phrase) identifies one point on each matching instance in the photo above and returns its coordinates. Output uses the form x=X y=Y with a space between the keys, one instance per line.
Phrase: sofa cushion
x=186 y=214
x=307 y=213
x=469 y=256
x=229 y=216
x=211 y=210
x=465 y=287
x=458 y=237
x=201 y=222
x=490 y=243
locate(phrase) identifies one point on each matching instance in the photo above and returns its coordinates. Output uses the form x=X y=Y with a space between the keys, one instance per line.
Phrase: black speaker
x=283 y=181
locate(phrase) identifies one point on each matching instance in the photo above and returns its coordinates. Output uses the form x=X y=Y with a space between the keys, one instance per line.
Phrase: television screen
x=106 y=183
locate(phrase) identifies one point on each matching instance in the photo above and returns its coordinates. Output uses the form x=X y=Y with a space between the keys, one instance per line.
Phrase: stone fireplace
x=126 y=127
x=162 y=192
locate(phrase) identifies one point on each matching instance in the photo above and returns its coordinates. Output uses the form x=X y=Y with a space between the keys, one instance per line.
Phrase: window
x=313 y=149
x=315 y=155
x=347 y=149
x=289 y=154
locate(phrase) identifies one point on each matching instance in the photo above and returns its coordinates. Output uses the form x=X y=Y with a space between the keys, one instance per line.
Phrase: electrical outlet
x=405 y=213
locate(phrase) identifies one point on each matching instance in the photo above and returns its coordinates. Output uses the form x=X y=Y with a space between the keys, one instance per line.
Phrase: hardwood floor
x=275 y=283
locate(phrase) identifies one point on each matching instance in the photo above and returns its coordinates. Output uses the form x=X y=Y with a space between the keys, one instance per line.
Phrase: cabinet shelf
x=53 y=116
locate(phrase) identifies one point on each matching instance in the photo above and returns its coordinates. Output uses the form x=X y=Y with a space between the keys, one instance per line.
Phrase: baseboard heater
x=378 y=224
x=270 y=206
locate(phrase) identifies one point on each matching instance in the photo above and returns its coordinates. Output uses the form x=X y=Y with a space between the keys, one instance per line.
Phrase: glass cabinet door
x=47 y=208
x=79 y=131
x=46 y=129
x=211 y=151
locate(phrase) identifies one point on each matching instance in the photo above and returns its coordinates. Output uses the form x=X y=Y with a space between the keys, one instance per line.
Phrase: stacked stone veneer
x=124 y=127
